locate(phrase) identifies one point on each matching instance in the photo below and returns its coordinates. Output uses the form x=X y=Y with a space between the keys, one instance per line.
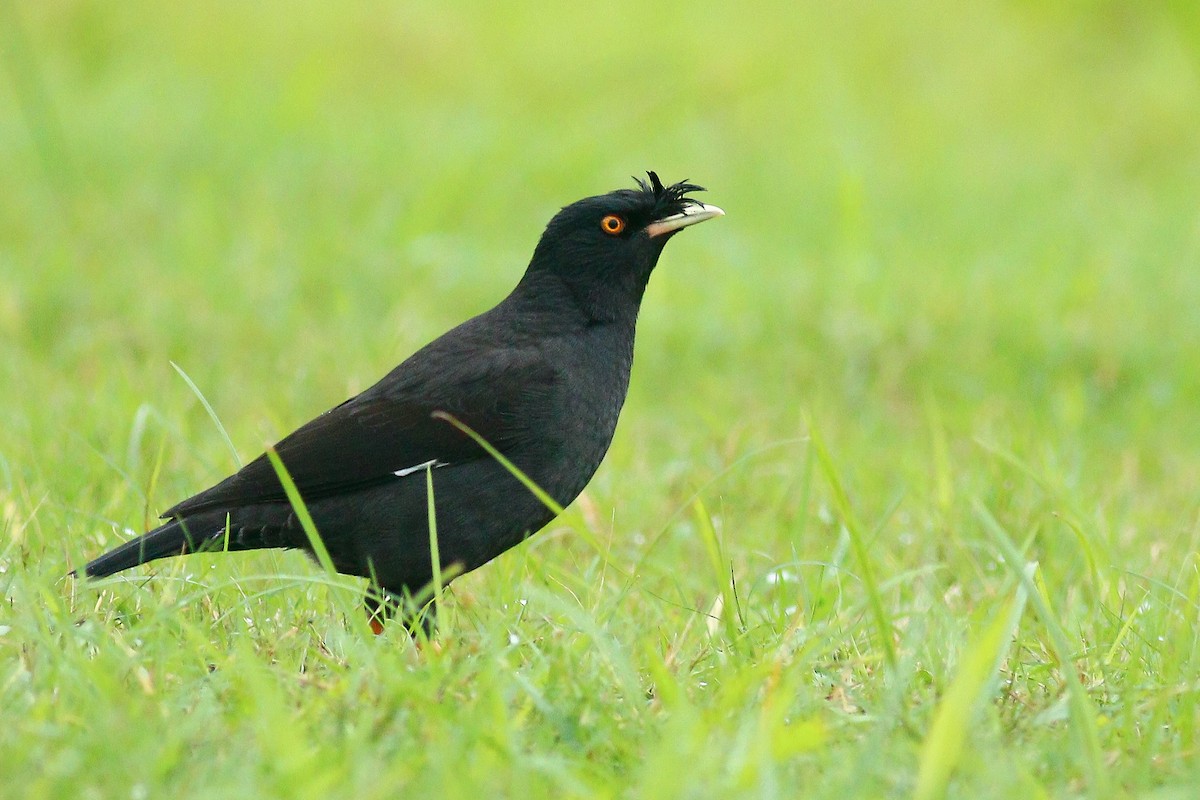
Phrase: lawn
x=904 y=499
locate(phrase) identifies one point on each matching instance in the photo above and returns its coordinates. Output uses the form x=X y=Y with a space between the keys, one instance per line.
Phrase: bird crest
x=669 y=199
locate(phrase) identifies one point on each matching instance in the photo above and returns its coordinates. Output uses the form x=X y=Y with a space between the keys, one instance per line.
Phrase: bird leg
x=383 y=604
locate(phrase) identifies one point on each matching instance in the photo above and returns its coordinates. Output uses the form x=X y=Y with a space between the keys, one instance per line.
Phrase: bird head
x=613 y=241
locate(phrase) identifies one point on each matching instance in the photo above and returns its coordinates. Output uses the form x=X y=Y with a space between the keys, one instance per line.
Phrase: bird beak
x=689 y=216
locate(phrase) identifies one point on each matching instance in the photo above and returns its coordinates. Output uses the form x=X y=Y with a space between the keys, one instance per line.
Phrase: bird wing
x=388 y=431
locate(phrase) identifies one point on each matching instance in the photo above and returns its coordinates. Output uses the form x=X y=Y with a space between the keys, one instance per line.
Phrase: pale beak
x=689 y=216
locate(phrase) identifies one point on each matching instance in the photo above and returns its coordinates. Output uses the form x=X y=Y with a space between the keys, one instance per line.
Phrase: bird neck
x=586 y=301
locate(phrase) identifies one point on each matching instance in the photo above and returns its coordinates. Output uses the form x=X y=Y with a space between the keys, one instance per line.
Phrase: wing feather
x=390 y=427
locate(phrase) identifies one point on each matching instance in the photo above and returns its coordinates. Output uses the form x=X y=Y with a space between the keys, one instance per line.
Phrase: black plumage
x=541 y=377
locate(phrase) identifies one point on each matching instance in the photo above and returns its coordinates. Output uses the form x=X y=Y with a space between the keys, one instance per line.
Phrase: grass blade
x=716 y=561
x=540 y=493
x=972 y=684
x=310 y=529
x=1083 y=712
x=435 y=558
x=211 y=413
x=883 y=623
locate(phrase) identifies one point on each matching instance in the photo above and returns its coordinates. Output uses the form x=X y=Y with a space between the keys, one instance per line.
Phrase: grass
x=904 y=498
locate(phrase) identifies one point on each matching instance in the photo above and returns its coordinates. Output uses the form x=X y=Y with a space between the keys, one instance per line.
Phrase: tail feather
x=177 y=537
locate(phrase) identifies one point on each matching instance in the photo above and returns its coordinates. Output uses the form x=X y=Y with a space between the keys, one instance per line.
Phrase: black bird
x=541 y=377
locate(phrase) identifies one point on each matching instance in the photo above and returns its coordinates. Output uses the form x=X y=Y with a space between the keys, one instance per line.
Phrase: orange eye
x=612 y=224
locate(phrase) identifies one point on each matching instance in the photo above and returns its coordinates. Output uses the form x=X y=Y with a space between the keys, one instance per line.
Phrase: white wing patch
x=432 y=463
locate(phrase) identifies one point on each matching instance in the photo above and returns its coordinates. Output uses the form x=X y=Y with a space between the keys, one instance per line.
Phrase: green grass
x=905 y=500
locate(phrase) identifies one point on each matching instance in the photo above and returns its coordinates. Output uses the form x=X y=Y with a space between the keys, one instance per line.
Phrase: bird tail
x=175 y=538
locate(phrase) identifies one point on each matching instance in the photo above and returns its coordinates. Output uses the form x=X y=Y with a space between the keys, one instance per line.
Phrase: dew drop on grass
x=781 y=576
